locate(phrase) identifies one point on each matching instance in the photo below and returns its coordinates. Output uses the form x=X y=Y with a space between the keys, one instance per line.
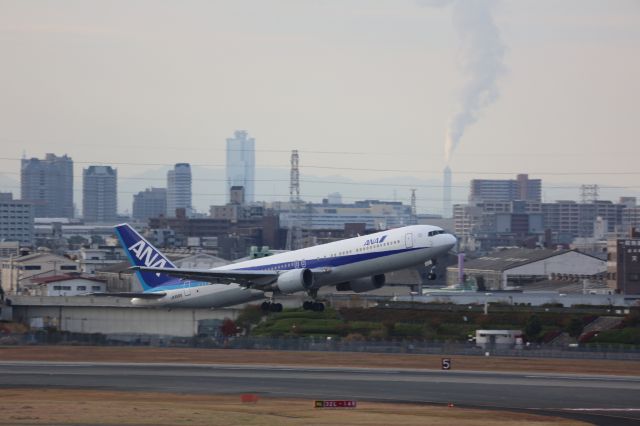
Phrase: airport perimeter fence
x=591 y=351
x=614 y=352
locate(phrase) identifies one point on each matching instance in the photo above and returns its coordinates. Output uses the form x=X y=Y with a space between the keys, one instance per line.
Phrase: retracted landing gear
x=269 y=306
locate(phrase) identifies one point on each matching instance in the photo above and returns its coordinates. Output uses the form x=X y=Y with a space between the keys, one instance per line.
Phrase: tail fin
x=142 y=253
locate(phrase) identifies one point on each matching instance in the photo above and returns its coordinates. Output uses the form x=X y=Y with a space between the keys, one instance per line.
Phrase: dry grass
x=70 y=407
x=331 y=359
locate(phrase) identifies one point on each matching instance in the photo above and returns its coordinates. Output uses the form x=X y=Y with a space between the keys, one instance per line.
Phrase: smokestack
x=446 y=193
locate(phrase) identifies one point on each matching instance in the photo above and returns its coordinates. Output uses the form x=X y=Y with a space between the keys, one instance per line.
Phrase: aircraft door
x=408 y=240
x=187 y=290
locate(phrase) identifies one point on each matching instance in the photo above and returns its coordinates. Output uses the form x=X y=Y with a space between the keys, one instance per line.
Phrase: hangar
x=516 y=269
x=114 y=317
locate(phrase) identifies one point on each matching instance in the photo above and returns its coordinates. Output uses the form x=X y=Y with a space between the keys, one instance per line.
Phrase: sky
x=366 y=90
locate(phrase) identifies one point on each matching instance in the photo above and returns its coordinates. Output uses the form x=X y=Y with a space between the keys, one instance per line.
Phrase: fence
x=590 y=351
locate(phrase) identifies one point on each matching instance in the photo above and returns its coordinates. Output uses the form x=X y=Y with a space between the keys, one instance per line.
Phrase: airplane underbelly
x=379 y=265
x=225 y=295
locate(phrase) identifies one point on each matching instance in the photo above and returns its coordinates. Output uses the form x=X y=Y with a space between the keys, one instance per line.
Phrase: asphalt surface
x=607 y=400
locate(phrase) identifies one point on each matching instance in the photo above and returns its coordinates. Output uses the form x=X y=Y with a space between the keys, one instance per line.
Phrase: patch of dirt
x=89 y=407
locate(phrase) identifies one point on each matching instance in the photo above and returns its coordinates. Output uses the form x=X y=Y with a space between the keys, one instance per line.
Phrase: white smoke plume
x=481 y=54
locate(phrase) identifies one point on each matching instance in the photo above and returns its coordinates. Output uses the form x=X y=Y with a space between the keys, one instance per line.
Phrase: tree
x=228 y=328
x=575 y=327
x=533 y=327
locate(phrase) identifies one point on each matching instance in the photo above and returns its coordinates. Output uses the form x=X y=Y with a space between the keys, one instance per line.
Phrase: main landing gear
x=268 y=306
x=432 y=271
x=310 y=305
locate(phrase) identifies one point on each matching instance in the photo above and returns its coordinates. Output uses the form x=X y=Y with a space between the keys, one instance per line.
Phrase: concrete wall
x=534 y=299
x=111 y=320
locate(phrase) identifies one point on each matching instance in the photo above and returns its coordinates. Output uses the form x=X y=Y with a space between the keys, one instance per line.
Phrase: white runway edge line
x=602 y=378
x=613 y=410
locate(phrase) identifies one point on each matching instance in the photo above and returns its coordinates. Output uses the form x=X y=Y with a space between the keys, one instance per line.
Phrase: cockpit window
x=432 y=233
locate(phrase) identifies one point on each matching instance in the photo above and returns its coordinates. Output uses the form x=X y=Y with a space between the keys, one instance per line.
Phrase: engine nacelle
x=361 y=285
x=295 y=280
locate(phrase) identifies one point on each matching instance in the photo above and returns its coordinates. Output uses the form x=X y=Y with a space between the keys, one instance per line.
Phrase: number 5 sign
x=446 y=363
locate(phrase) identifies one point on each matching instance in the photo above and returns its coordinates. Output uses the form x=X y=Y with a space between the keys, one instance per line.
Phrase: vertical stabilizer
x=143 y=253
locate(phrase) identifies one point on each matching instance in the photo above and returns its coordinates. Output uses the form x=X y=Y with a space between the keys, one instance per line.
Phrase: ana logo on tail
x=145 y=254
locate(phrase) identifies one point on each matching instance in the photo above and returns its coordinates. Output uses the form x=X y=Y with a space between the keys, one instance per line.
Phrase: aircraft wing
x=150 y=295
x=248 y=278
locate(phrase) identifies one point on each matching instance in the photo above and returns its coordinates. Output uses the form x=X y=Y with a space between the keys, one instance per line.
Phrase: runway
x=599 y=399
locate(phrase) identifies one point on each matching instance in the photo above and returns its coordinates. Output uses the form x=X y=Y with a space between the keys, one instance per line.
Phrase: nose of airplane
x=449 y=240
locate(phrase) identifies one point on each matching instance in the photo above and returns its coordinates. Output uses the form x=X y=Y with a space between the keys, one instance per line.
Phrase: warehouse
x=517 y=269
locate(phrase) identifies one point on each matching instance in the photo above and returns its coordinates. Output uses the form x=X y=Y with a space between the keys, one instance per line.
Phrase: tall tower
x=99 y=194
x=414 y=207
x=48 y=184
x=179 y=189
x=294 y=233
x=446 y=193
x=241 y=163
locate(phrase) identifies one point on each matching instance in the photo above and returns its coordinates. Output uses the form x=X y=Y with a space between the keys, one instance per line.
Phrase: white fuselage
x=339 y=262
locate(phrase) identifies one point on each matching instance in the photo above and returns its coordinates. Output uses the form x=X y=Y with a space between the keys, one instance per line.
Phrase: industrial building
x=115 y=317
x=520 y=268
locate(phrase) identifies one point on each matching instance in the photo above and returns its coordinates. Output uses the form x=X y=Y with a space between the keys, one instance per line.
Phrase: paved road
x=599 y=399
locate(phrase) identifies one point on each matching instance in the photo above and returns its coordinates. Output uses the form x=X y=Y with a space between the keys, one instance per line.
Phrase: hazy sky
x=374 y=83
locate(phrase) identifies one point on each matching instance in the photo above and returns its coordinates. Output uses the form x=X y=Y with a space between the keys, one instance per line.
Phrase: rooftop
x=511 y=258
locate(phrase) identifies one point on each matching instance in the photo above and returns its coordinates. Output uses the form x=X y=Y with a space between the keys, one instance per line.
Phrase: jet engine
x=294 y=280
x=361 y=285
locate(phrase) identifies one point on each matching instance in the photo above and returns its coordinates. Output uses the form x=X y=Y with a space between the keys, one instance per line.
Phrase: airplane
x=356 y=264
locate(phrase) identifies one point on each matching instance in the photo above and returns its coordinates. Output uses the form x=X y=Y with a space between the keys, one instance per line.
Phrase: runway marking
x=603 y=378
x=635 y=410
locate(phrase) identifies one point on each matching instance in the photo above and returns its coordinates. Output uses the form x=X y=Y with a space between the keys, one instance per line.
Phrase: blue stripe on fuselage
x=328 y=261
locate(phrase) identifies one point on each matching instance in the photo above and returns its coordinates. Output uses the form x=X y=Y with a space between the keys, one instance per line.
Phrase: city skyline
x=209 y=188
x=364 y=87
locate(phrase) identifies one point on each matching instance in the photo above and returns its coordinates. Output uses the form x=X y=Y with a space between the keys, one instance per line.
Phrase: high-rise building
x=100 y=194
x=521 y=188
x=179 y=189
x=16 y=219
x=48 y=184
x=152 y=202
x=241 y=163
